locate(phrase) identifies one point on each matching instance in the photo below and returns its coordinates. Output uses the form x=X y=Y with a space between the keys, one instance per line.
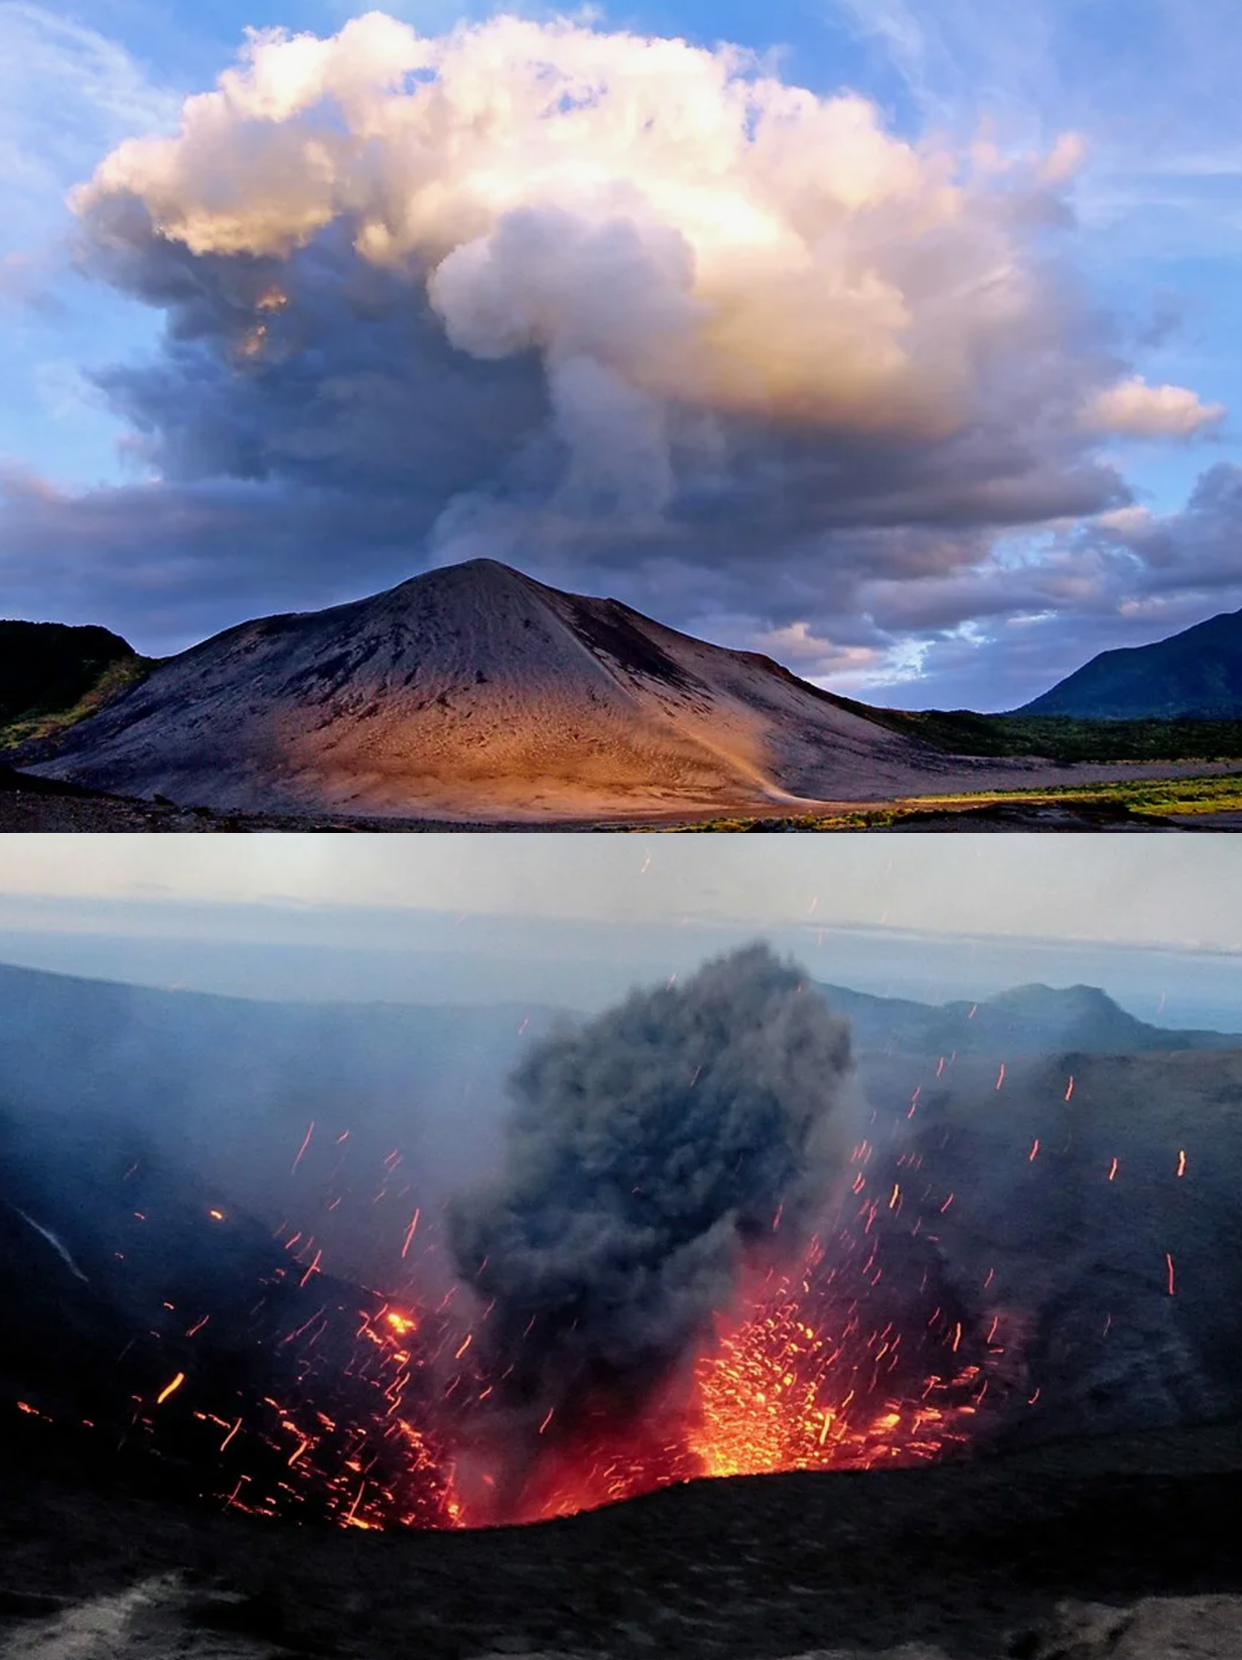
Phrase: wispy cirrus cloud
x=67 y=93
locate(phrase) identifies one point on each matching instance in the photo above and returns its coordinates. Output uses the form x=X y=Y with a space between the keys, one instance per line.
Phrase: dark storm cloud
x=323 y=371
x=166 y=566
x=1199 y=544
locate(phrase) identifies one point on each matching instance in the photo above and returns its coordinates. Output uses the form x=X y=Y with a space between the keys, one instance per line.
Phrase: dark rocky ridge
x=1196 y=674
x=46 y=667
x=53 y=675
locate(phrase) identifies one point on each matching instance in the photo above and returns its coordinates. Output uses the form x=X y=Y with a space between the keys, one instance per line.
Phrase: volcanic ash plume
x=665 y=306
x=651 y=1155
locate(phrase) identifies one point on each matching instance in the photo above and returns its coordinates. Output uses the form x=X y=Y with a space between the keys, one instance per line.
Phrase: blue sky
x=935 y=469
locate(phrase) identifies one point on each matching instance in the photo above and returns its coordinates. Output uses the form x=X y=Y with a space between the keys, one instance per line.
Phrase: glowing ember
x=781 y=1395
x=823 y=1333
x=383 y=1418
x=842 y=1362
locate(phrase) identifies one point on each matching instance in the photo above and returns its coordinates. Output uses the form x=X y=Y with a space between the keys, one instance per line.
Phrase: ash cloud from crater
x=638 y=316
x=649 y=1153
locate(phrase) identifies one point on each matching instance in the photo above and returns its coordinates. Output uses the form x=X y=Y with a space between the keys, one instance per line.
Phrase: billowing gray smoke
x=649 y=1152
x=636 y=315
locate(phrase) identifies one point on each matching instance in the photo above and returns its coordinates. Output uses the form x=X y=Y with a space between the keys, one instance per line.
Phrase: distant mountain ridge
x=1032 y=1019
x=1196 y=674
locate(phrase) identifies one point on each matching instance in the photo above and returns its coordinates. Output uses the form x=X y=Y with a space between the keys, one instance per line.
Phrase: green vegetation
x=52 y=676
x=1064 y=737
x=863 y=818
x=1146 y=797
x=1133 y=799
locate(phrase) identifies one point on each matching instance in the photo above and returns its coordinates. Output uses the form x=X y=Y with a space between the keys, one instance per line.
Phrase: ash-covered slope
x=475 y=690
x=142 y=1313
x=228 y=1086
x=1098 y=1194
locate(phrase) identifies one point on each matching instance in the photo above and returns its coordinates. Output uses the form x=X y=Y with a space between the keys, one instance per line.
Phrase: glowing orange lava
x=838 y=1354
x=779 y=1395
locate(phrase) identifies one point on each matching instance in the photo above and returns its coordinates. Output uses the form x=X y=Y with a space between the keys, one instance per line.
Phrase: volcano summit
x=475 y=692
x=475 y=689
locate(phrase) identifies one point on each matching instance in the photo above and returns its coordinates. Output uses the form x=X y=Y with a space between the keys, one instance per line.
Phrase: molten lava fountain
x=686 y=1268
x=694 y=1262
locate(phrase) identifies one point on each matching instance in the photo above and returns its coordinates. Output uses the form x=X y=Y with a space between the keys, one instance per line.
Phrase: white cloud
x=689 y=334
x=1126 y=521
x=1134 y=409
x=705 y=232
x=820 y=658
x=797 y=643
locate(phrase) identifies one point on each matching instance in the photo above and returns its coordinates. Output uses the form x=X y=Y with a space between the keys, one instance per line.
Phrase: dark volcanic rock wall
x=227 y=1087
x=1131 y=1273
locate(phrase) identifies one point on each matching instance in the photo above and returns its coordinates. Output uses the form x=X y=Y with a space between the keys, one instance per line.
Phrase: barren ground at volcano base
x=1118 y=1547
x=31 y=805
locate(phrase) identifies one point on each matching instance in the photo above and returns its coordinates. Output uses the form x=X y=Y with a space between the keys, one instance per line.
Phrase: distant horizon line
x=294 y=907
x=559 y=1007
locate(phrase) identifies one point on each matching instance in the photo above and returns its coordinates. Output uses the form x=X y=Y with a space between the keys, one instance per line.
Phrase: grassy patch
x=1165 y=797
x=1063 y=737
x=864 y=818
x=43 y=723
x=1137 y=798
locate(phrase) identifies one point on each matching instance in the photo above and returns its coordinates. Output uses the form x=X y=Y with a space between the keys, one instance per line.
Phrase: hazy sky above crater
x=899 y=342
x=1144 y=890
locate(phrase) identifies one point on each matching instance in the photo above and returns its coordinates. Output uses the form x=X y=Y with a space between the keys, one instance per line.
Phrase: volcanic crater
x=925 y=1259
